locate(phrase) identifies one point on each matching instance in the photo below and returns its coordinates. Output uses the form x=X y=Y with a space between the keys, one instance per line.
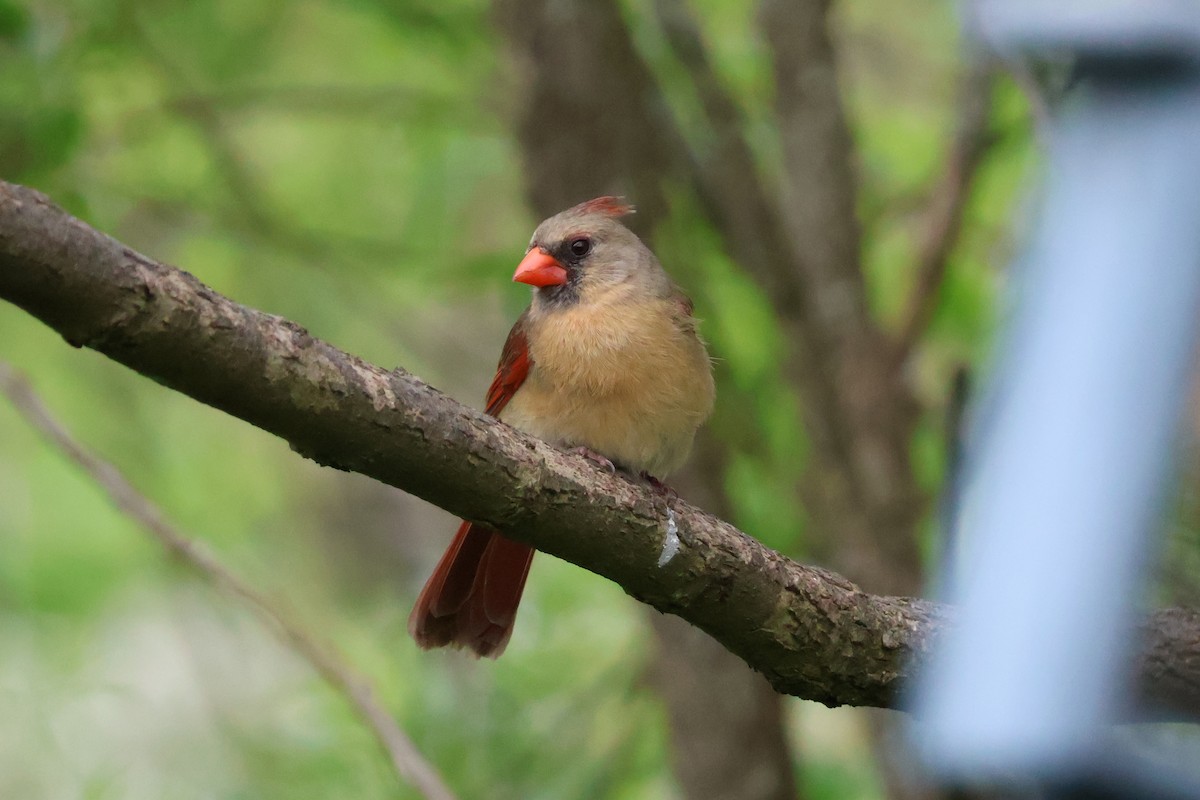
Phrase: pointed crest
x=608 y=206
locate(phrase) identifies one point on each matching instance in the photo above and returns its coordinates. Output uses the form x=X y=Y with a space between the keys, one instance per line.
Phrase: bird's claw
x=661 y=489
x=592 y=455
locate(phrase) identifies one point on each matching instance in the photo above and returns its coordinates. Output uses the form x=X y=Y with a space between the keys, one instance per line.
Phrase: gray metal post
x=1071 y=456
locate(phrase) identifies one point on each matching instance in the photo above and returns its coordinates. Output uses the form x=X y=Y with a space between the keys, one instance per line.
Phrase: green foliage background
x=348 y=164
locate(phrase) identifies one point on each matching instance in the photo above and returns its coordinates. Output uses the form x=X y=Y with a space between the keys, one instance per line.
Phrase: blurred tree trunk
x=728 y=737
x=590 y=121
x=728 y=729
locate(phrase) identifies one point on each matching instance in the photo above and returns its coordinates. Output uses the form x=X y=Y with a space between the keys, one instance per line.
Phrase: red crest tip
x=608 y=206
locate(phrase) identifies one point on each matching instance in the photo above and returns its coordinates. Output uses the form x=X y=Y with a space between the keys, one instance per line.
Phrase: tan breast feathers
x=632 y=386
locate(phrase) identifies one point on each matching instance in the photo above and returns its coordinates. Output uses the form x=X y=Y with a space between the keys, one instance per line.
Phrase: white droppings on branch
x=671 y=541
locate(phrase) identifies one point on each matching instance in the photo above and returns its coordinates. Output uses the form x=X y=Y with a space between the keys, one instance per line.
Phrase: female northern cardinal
x=606 y=359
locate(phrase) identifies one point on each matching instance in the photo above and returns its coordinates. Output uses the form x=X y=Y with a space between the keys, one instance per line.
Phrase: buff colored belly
x=637 y=402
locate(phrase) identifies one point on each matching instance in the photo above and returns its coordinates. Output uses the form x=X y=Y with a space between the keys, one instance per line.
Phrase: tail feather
x=472 y=597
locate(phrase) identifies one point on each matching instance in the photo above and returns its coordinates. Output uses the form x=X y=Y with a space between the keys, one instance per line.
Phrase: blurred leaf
x=14 y=20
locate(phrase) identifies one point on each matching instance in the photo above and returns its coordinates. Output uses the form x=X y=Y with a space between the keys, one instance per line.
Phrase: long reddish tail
x=472 y=597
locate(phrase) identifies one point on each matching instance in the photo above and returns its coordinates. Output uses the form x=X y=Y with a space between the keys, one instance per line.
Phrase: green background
x=349 y=164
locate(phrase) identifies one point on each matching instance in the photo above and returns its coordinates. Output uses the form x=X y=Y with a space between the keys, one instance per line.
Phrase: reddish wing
x=514 y=367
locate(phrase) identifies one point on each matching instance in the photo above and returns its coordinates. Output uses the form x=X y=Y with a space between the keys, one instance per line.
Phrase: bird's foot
x=661 y=489
x=592 y=455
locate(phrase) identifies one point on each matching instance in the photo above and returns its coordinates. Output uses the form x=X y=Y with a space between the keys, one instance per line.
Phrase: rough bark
x=811 y=632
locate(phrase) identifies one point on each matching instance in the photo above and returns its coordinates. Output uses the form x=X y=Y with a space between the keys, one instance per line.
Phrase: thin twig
x=760 y=228
x=252 y=209
x=409 y=764
x=684 y=37
x=722 y=166
x=948 y=204
x=1036 y=94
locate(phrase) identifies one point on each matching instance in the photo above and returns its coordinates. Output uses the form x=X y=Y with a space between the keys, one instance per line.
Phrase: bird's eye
x=580 y=247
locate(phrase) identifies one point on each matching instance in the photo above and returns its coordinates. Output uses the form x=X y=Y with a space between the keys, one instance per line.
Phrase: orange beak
x=539 y=268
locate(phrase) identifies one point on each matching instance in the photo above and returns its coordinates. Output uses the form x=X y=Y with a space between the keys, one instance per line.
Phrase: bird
x=606 y=360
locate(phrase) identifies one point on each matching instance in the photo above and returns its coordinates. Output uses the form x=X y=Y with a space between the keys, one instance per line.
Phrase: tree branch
x=812 y=633
x=407 y=761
